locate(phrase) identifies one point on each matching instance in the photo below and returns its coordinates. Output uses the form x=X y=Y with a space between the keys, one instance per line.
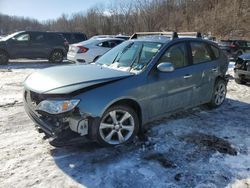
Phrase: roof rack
x=171 y=34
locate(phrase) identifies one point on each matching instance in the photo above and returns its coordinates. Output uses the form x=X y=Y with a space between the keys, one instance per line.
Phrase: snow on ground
x=199 y=148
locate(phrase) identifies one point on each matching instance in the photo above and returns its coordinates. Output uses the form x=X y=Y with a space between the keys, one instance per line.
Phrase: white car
x=89 y=50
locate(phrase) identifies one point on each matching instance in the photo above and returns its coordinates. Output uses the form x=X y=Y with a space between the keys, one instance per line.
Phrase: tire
x=239 y=81
x=4 y=59
x=56 y=56
x=118 y=125
x=219 y=93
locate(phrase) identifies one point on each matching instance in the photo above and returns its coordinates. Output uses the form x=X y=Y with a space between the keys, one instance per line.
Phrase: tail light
x=66 y=43
x=82 y=49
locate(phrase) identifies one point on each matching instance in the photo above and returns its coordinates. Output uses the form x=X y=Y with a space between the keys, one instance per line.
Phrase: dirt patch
x=161 y=158
x=212 y=142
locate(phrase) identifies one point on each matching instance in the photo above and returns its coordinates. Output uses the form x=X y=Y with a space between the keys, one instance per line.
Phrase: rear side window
x=80 y=37
x=113 y=43
x=38 y=37
x=200 y=52
x=55 y=37
x=104 y=44
x=215 y=51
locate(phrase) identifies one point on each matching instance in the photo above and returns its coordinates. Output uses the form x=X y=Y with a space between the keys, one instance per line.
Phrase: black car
x=32 y=45
x=242 y=69
x=73 y=37
x=234 y=48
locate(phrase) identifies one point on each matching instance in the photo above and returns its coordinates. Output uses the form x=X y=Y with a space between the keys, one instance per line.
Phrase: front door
x=171 y=91
x=19 y=46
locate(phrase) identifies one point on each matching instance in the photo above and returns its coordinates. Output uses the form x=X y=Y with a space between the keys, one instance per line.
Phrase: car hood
x=245 y=56
x=70 y=78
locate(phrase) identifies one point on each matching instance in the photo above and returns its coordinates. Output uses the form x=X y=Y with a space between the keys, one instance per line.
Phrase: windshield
x=10 y=36
x=130 y=55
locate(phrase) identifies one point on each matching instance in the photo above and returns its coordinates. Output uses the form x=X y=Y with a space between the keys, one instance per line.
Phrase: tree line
x=221 y=18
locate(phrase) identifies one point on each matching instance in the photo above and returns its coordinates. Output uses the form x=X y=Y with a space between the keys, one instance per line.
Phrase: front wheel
x=219 y=93
x=118 y=125
x=56 y=56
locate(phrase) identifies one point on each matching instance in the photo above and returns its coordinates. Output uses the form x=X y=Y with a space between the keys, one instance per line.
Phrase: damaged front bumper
x=57 y=126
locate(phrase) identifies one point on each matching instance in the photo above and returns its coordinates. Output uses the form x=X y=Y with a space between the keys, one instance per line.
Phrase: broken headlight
x=57 y=106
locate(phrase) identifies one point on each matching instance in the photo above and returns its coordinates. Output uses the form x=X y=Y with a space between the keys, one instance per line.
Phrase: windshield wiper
x=120 y=54
x=137 y=57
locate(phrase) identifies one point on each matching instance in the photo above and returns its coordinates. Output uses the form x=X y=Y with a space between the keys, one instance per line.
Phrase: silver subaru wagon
x=142 y=79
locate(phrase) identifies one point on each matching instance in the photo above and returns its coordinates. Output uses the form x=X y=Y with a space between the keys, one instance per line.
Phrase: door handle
x=214 y=69
x=187 y=76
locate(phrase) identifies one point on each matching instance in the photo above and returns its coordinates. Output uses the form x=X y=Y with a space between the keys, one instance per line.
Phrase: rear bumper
x=79 y=58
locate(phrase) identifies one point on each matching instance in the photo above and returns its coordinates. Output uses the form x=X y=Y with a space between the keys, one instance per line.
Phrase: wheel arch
x=220 y=77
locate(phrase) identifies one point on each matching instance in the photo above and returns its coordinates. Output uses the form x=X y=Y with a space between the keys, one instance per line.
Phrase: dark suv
x=73 y=37
x=33 y=44
x=234 y=48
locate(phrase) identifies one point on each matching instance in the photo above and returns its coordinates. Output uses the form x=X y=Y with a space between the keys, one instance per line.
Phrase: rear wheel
x=219 y=93
x=118 y=125
x=56 y=56
x=4 y=59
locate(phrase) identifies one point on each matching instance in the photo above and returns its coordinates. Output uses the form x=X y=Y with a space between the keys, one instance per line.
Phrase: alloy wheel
x=57 y=57
x=117 y=127
x=220 y=94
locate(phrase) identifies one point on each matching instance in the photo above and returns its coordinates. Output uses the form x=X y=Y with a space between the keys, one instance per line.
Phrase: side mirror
x=165 y=67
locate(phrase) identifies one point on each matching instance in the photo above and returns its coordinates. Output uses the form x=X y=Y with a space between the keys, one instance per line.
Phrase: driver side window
x=177 y=55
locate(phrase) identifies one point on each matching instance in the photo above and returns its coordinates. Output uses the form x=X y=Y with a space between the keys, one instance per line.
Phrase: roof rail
x=195 y=34
x=171 y=34
x=164 y=33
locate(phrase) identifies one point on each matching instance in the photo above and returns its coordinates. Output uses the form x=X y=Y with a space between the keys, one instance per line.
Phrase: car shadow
x=95 y=166
x=30 y=64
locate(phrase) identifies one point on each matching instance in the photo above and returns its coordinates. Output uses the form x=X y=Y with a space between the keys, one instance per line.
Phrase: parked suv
x=140 y=80
x=33 y=44
x=242 y=69
x=234 y=48
x=73 y=37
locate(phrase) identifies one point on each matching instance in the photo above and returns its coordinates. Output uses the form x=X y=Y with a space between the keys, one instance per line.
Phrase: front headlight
x=57 y=106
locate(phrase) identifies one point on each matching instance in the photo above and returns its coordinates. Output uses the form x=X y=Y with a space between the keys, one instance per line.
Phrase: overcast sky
x=50 y=9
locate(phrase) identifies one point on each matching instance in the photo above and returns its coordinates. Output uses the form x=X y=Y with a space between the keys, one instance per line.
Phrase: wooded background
x=222 y=18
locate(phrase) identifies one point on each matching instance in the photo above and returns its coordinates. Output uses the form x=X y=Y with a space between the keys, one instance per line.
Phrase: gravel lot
x=196 y=148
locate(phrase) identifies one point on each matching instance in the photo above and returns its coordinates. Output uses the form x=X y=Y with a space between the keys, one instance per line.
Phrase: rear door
x=39 y=45
x=205 y=69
